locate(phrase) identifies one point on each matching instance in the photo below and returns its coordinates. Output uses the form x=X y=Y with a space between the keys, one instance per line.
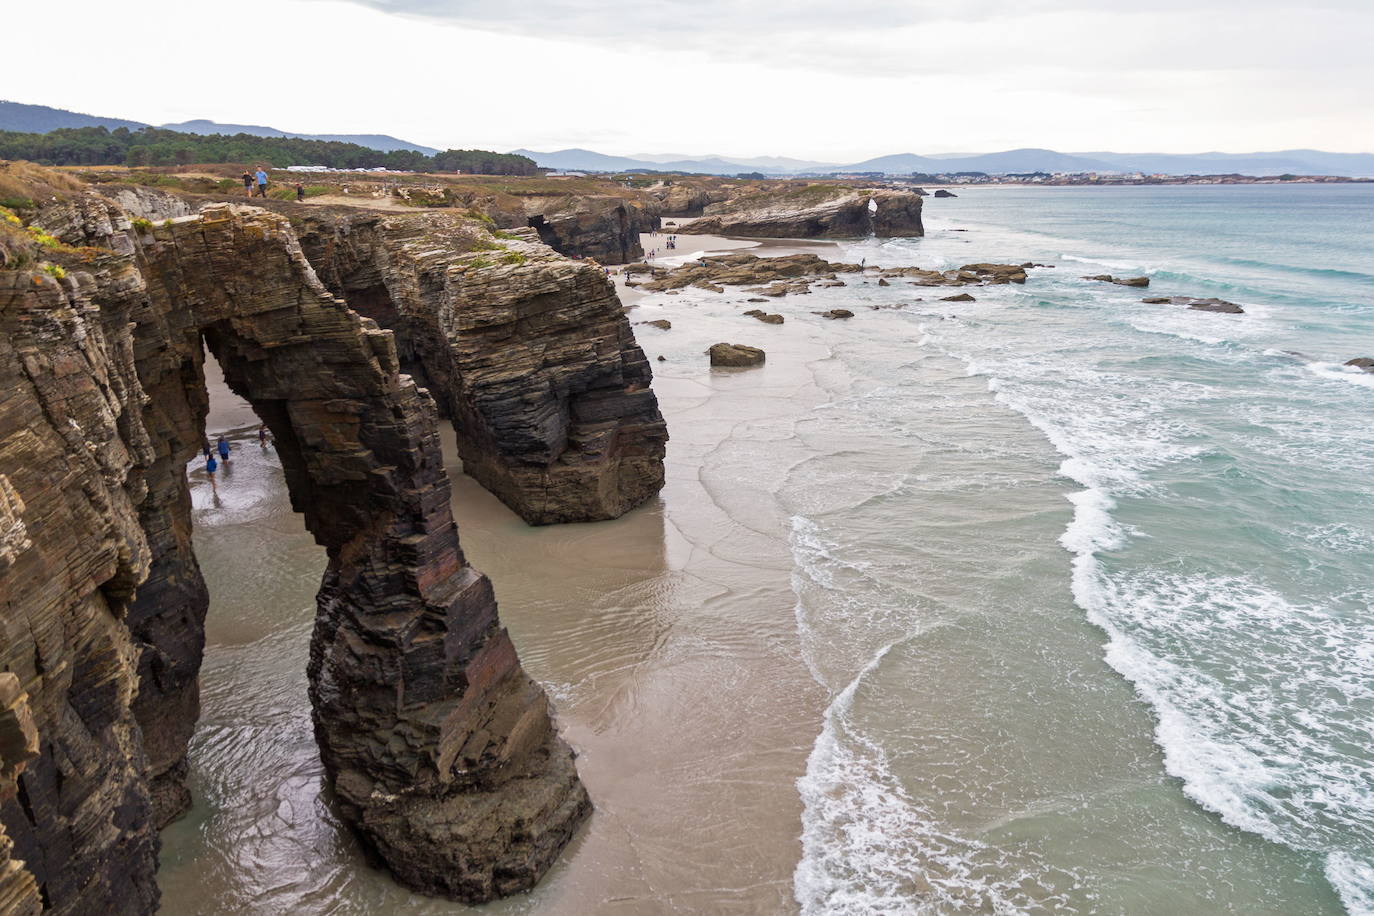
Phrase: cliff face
x=814 y=211
x=604 y=228
x=441 y=751
x=527 y=352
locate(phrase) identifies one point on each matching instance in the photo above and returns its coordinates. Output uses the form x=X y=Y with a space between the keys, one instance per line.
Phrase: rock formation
x=1120 y=281
x=1200 y=305
x=1362 y=362
x=793 y=274
x=528 y=353
x=602 y=227
x=814 y=211
x=941 y=192
x=441 y=751
x=735 y=356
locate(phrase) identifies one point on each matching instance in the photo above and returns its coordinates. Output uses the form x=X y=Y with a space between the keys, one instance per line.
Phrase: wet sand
x=667 y=640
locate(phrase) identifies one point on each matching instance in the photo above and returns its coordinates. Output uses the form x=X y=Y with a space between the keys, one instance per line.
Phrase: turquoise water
x=1200 y=519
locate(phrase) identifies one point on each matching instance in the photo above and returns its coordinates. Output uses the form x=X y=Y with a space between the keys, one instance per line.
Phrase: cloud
x=894 y=38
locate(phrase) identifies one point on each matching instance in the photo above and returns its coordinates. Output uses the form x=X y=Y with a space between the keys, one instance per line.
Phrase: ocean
x=1050 y=601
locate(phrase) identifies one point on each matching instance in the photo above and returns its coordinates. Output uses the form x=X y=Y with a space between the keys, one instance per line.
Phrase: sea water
x=984 y=748
x=1054 y=601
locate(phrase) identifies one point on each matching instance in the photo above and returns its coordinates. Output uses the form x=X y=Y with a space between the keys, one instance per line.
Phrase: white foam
x=1337 y=372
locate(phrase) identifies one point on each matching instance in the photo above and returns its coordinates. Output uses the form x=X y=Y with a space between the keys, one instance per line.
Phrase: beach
x=926 y=619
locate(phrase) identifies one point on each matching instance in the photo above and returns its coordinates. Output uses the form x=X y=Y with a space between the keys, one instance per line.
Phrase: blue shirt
x=262 y=177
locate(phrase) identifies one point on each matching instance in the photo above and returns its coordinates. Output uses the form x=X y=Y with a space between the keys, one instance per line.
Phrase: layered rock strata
x=529 y=353
x=814 y=211
x=601 y=227
x=441 y=751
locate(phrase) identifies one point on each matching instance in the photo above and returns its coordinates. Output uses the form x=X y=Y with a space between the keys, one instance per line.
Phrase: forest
x=154 y=146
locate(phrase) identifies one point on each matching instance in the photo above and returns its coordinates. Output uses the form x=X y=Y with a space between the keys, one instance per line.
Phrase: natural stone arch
x=441 y=750
x=427 y=725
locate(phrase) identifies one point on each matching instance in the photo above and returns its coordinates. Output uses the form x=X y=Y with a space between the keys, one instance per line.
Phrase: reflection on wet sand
x=666 y=639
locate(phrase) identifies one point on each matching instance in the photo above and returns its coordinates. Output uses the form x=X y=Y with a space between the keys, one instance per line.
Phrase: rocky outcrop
x=941 y=192
x=735 y=356
x=765 y=317
x=814 y=211
x=1362 y=362
x=441 y=751
x=601 y=227
x=1200 y=305
x=794 y=274
x=739 y=270
x=1120 y=281
x=679 y=199
x=528 y=353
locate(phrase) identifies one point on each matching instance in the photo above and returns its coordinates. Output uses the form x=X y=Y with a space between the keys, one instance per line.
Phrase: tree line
x=155 y=146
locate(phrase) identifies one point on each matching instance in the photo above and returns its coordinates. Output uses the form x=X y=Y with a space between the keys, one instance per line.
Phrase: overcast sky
x=837 y=80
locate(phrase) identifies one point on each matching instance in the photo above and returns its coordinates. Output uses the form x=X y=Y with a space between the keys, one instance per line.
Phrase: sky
x=831 y=80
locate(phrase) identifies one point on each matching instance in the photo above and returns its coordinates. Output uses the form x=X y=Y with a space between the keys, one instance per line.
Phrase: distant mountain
x=899 y=164
x=1293 y=162
x=39 y=119
x=585 y=160
x=779 y=164
x=381 y=142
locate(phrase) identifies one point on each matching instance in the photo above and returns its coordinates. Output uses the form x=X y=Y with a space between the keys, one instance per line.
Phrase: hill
x=382 y=142
x=39 y=119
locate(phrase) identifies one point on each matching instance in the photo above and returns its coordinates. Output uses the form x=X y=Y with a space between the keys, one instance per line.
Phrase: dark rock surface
x=441 y=751
x=1201 y=305
x=600 y=227
x=1362 y=362
x=1121 y=281
x=941 y=192
x=735 y=356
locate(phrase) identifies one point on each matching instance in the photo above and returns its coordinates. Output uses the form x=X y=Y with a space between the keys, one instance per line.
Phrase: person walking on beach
x=247 y=184
x=262 y=182
x=223 y=446
x=300 y=191
x=262 y=435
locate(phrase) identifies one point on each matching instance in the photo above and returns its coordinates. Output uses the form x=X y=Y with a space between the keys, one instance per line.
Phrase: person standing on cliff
x=247 y=184
x=262 y=182
x=300 y=191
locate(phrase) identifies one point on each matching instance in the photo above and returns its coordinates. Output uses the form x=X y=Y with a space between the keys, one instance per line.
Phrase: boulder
x=1362 y=362
x=941 y=192
x=735 y=356
x=961 y=297
x=836 y=313
x=661 y=323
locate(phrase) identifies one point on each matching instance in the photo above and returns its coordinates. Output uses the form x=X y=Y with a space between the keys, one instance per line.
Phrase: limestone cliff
x=441 y=751
x=813 y=211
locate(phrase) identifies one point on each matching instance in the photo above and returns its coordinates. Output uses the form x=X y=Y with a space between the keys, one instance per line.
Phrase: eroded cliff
x=813 y=211
x=441 y=750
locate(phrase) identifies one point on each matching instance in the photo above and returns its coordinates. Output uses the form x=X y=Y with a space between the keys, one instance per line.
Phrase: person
x=223 y=446
x=262 y=435
x=262 y=182
x=247 y=185
x=205 y=447
x=211 y=466
x=300 y=191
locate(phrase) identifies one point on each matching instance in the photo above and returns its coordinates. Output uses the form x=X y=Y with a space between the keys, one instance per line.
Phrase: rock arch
x=441 y=750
